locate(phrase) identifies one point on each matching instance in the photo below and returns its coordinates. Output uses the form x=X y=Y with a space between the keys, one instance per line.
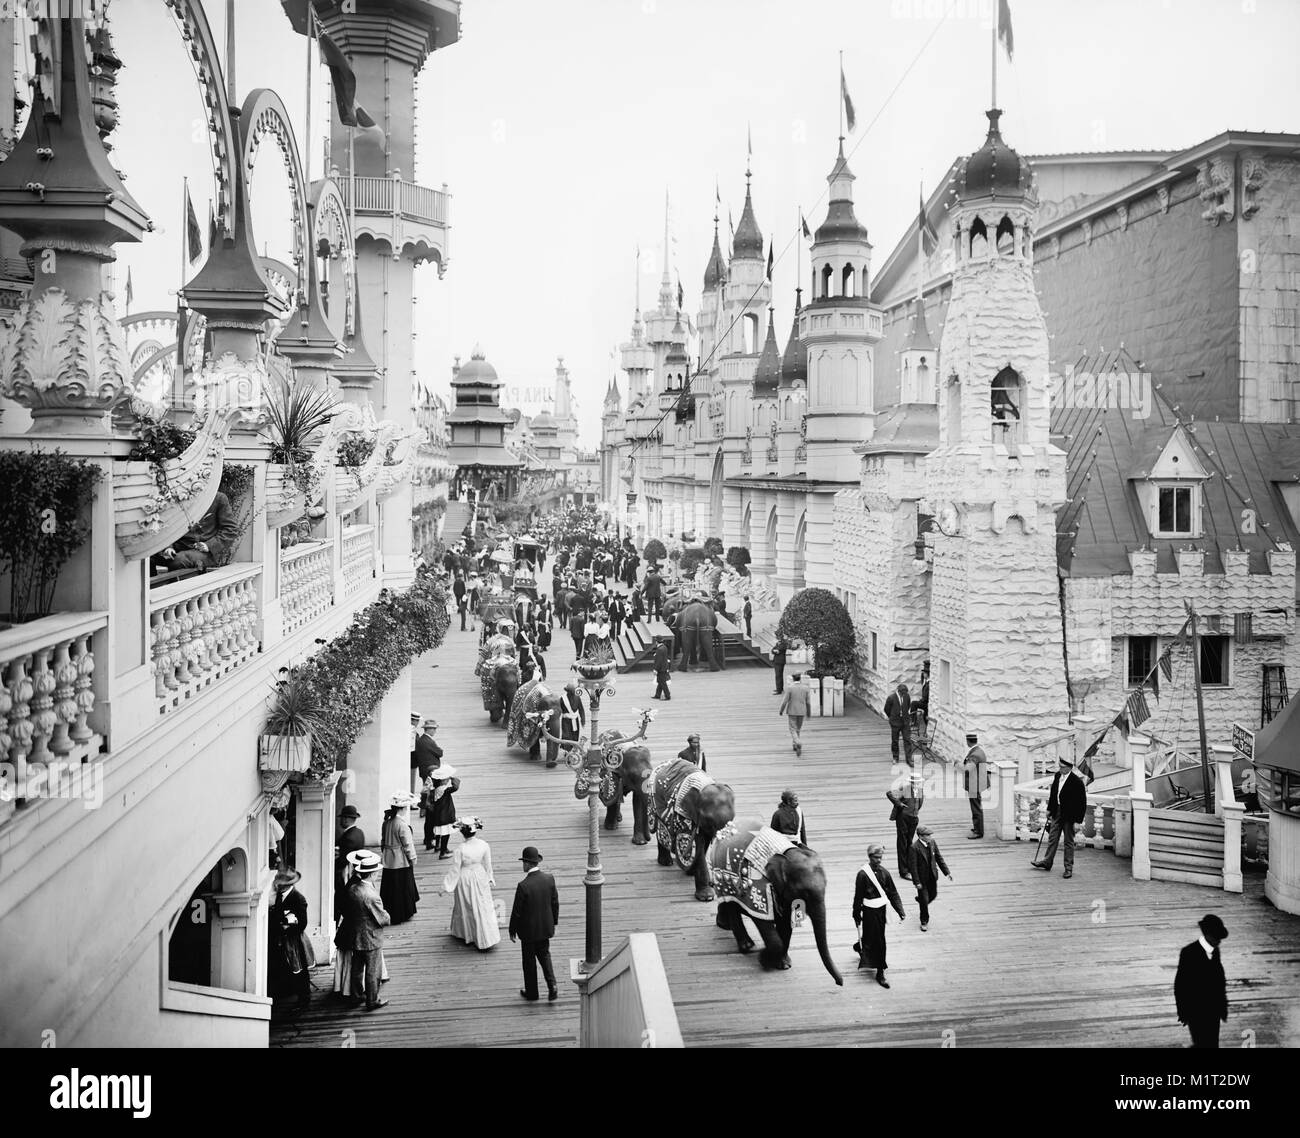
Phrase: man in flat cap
x=1200 y=987
x=924 y=862
x=1066 y=806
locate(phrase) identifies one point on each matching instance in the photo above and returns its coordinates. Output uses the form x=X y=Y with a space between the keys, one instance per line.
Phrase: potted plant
x=296 y=714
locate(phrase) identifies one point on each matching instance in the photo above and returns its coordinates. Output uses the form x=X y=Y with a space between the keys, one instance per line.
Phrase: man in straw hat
x=1066 y=806
x=1200 y=987
x=875 y=888
x=361 y=932
x=533 y=919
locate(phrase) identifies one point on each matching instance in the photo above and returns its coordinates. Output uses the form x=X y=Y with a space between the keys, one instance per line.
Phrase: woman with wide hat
x=441 y=784
x=291 y=956
x=397 y=886
x=470 y=881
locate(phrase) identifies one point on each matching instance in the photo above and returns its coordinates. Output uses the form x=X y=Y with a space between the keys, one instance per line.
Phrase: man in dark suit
x=617 y=609
x=1066 y=806
x=532 y=920
x=458 y=590
x=1200 y=987
x=206 y=542
x=663 y=666
x=924 y=862
x=975 y=772
x=693 y=753
x=906 y=816
x=778 y=664
x=428 y=757
x=351 y=838
x=898 y=710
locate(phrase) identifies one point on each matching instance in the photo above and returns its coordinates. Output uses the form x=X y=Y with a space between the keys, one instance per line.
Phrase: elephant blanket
x=488 y=680
x=519 y=732
x=672 y=781
x=493 y=647
x=738 y=866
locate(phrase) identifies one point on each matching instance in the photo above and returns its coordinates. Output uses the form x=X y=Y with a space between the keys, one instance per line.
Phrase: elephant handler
x=874 y=888
x=693 y=753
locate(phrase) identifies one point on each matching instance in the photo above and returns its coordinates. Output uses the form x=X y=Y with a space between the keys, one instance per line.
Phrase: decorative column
x=379 y=763
x=232 y=946
x=1004 y=789
x=314 y=858
x=68 y=362
x=1231 y=811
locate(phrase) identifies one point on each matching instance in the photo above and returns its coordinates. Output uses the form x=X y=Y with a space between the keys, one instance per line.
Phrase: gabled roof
x=1110 y=450
x=908 y=428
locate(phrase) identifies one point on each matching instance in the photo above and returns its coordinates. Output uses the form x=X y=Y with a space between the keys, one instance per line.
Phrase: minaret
x=995 y=481
x=659 y=323
x=565 y=421
x=919 y=360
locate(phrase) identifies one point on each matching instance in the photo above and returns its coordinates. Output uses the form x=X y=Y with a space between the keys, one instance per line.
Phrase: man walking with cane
x=1066 y=806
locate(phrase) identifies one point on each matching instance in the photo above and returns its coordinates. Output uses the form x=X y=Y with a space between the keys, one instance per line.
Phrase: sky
x=559 y=127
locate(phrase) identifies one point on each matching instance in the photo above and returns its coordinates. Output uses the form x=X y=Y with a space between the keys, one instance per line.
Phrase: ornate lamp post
x=594 y=763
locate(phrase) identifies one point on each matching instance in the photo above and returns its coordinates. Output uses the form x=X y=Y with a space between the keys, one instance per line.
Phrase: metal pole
x=595 y=877
x=1200 y=714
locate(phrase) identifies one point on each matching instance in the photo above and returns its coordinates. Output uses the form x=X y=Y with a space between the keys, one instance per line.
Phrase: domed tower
x=792 y=398
x=995 y=481
x=767 y=383
x=715 y=276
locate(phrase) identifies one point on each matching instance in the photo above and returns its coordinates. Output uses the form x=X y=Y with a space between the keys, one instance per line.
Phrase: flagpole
x=994 y=46
x=311 y=27
x=230 y=53
x=1206 y=787
x=920 y=244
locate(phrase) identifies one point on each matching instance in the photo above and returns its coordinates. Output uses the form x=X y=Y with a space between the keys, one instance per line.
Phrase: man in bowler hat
x=532 y=920
x=1200 y=987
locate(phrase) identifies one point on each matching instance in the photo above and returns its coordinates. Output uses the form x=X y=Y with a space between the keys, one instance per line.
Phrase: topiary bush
x=820 y=620
x=738 y=558
x=654 y=550
x=692 y=558
x=713 y=546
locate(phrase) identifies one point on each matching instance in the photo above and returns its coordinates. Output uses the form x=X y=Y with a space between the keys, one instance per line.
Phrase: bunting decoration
x=1166 y=665
x=1138 y=711
x=1243 y=628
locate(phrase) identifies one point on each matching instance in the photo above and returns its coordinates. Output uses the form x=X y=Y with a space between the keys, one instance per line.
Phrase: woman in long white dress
x=470 y=881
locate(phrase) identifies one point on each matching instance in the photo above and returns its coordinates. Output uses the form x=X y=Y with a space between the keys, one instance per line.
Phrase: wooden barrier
x=625 y=999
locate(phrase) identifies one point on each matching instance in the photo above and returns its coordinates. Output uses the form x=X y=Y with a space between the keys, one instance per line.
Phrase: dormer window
x=1176 y=510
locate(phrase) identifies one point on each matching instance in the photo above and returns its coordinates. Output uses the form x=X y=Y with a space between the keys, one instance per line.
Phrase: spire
x=794 y=364
x=666 y=296
x=918 y=337
x=767 y=377
x=748 y=242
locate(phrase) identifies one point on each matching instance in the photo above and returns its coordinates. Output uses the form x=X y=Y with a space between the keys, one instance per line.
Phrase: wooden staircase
x=455 y=520
x=635 y=648
x=1187 y=847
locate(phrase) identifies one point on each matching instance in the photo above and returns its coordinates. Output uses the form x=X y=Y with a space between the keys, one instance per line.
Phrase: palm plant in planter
x=295 y=715
x=296 y=415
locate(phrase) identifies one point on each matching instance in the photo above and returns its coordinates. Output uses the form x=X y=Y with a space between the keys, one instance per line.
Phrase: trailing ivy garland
x=354 y=671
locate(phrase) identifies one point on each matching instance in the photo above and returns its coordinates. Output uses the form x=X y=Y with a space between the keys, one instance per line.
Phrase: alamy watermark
x=1107 y=391
x=55 y=779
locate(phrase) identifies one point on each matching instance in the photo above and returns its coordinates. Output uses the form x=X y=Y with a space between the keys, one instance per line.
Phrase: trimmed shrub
x=738 y=558
x=654 y=550
x=820 y=620
x=713 y=546
x=692 y=558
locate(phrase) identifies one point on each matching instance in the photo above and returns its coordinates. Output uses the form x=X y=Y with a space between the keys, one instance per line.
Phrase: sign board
x=1243 y=741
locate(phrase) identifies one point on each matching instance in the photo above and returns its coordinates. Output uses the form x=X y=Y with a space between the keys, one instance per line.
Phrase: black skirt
x=398 y=893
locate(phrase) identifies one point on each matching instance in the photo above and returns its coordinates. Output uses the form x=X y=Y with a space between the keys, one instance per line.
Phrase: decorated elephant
x=698 y=624
x=632 y=777
x=499 y=681
x=765 y=875
x=563 y=718
x=498 y=645
x=687 y=809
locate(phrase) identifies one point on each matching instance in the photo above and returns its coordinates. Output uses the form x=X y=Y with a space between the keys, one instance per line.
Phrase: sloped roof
x=908 y=428
x=1278 y=743
x=1110 y=449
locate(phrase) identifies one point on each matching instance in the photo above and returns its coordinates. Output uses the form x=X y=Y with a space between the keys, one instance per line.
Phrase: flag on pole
x=1004 y=27
x=367 y=127
x=1138 y=711
x=731 y=226
x=182 y=328
x=212 y=227
x=929 y=238
x=680 y=294
x=769 y=259
x=749 y=141
x=130 y=291
x=806 y=233
x=850 y=118
x=193 y=235
x=1154 y=680
x=1166 y=665
x=342 y=78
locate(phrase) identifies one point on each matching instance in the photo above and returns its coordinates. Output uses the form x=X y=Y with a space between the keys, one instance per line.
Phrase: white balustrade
x=306 y=583
x=203 y=629
x=358 y=558
x=47 y=693
x=1031 y=815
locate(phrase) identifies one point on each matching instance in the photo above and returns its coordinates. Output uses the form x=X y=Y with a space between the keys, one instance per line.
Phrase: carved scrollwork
x=1253 y=176
x=1214 y=181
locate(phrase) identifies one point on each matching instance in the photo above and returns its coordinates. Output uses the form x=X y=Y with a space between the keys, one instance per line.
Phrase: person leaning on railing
x=206 y=542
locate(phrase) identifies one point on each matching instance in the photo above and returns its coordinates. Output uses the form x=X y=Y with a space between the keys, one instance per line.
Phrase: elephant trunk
x=817 y=914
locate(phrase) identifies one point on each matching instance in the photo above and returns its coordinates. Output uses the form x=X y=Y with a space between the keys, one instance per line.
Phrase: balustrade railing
x=306 y=583
x=203 y=629
x=1098 y=829
x=46 y=695
x=358 y=558
x=388 y=195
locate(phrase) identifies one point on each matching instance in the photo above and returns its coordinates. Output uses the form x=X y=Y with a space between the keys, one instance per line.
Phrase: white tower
x=565 y=421
x=995 y=481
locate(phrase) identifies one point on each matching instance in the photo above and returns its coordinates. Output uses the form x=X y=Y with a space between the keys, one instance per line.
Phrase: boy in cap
x=1066 y=806
x=533 y=919
x=1200 y=987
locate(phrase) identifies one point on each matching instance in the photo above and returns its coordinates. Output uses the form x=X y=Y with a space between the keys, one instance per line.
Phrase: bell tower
x=995 y=481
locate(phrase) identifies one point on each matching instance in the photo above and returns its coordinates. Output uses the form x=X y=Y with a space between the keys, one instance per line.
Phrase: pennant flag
x=193 y=234
x=1004 y=27
x=342 y=78
x=299 y=13
x=1137 y=708
x=769 y=260
x=929 y=238
x=182 y=327
x=806 y=233
x=130 y=291
x=1154 y=680
x=850 y=117
x=1166 y=665
x=212 y=227
x=367 y=127
x=731 y=226
x=1096 y=743
x=1243 y=624
x=680 y=294
x=749 y=141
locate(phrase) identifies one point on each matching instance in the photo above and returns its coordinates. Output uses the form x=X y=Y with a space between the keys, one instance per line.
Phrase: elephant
x=761 y=873
x=564 y=718
x=500 y=682
x=687 y=810
x=698 y=624
x=495 y=646
x=632 y=777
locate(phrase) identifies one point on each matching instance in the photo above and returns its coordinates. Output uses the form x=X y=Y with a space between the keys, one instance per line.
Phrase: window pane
x=1141 y=658
x=1183 y=510
x=1214 y=660
x=1166 y=509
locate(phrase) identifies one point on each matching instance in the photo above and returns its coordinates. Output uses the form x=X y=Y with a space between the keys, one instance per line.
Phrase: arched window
x=953 y=395
x=979 y=240
x=1006 y=237
x=862 y=291
x=751 y=333
x=1006 y=400
x=847 y=281
x=924 y=386
x=827 y=273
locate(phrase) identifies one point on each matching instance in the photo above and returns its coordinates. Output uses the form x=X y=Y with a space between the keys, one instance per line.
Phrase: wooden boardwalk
x=1013 y=957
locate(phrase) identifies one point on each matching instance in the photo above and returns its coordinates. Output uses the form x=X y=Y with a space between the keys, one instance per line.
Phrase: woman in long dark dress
x=441 y=785
x=397 y=888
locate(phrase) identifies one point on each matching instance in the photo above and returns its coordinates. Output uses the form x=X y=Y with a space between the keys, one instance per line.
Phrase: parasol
x=501 y=557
